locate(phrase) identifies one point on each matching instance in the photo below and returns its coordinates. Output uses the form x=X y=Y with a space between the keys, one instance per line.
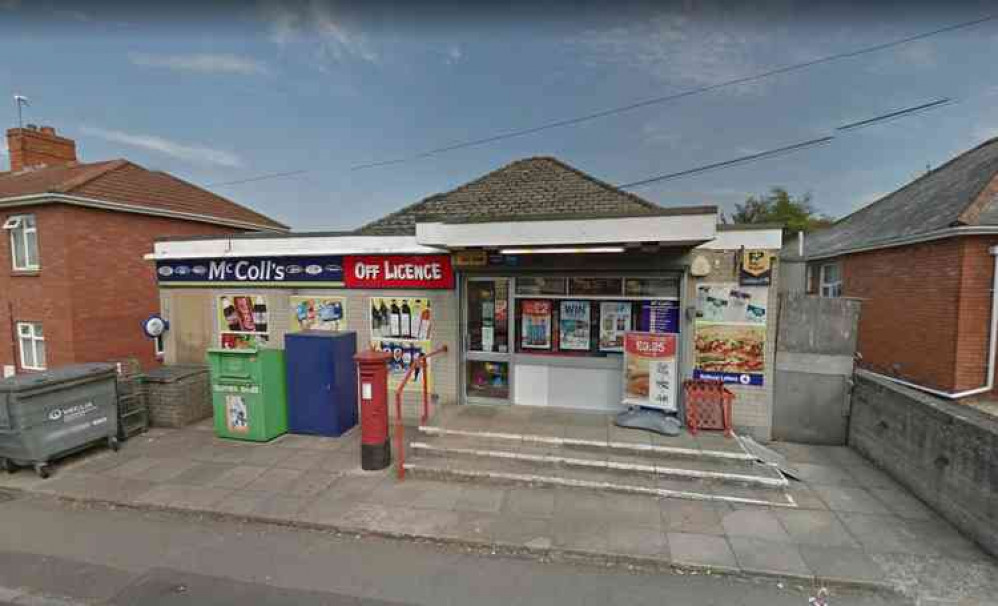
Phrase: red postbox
x=372 y=389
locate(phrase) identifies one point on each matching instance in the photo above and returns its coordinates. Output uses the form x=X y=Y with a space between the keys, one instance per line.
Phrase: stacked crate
x=133 y=409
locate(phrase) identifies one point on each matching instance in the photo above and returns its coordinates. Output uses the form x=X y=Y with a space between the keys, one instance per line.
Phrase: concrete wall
x=945 y=453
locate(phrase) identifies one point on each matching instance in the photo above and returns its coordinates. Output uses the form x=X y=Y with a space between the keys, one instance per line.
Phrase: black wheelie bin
x=48 y=415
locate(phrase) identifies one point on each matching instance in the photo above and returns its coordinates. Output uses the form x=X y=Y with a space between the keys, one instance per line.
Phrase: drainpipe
x=989 y=383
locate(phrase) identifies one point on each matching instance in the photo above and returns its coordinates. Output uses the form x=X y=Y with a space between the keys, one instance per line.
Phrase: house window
x=23 y=242
x=31 y=342
x=160 y=345
x=831 y=280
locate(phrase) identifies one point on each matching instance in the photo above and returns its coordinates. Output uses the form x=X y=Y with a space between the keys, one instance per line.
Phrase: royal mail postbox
x=372 y=391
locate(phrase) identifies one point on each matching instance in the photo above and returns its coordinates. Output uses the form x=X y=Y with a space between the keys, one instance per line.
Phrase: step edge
x=608 y=465
x=627 y=488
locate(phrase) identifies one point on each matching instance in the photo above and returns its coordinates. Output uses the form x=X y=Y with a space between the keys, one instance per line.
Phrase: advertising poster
x=573 y=326
x=236 y=414
x=318 y=313
x=401 y=318
x=650 y=376
x=614 y=321
x=731 y=333
x=536 y=329
x=243 y=321
x=403 y=355
x=659 y=316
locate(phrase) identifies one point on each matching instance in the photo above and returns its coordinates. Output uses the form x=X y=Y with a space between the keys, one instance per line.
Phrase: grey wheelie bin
x=47 y=415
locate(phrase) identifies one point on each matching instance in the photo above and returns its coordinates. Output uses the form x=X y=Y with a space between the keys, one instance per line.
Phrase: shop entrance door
x=487 y=342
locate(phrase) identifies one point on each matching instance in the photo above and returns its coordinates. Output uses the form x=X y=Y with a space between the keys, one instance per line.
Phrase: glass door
x=486 y=321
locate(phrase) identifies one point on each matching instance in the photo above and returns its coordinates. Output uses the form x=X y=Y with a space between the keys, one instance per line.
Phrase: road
x=53 y=552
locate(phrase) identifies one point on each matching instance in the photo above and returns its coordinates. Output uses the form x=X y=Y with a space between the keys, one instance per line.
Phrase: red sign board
x=649 y=345
x=398 y=271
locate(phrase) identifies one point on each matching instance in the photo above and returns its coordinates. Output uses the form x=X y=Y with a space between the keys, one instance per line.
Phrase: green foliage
x=794 y=213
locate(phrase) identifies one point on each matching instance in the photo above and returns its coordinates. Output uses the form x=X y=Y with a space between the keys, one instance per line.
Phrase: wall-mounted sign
x=399 y=271
x=756 y=269
x=650 y=375
x=243 y=321
x=470 y=258
x=659 y=316
x=264 y=271
x=731 y=333
x=318 y=313
x=352 y=271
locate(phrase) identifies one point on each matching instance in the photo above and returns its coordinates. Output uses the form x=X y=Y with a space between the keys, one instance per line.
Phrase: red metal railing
x=421 y=362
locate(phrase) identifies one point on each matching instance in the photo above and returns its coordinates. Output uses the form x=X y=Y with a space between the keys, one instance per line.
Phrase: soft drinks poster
x=401 y=318
x=536 y=325
x=318 y=313
x=243 y=320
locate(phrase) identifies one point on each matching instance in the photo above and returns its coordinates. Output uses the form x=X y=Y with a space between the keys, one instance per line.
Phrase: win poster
x=573 y=326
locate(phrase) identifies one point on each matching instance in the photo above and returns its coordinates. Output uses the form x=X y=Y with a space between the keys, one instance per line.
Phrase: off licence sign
x=399 y=271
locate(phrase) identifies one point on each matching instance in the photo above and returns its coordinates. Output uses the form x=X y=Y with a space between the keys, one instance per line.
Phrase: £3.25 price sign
x=650 y=373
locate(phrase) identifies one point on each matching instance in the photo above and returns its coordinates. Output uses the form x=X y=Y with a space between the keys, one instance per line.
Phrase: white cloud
x=205 y=63
x=454 y=54
x=679 y=50
x=187 y=153
x=315 y=26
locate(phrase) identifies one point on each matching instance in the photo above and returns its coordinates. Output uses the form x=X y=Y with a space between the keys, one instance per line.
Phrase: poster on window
x=243 y=321
x=729 y=302
x=650 y=376
x=404 y=353
x=573 y=326
x=536 y=325
x=614 y=322
x=659 y=316
x=318 y=313
x=401 y=318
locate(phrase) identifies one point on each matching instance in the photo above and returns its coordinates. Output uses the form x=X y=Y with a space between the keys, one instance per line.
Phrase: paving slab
x=842 y=564
x=903 y=504
x=768 y=557
x=850 y=499
x=480 y=499
x=701 y=550
x=275 y=480
x=635 y=540
x=821 y=528
x=528 y=502
x=692 y=517
x=760 y=524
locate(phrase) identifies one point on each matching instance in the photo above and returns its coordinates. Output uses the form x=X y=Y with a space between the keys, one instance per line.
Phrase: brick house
x=73 y=283
x=922 y=261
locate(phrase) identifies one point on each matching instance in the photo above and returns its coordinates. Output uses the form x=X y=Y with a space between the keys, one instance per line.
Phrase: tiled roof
x=947 y=196
x=532 y=188
x=122 y=182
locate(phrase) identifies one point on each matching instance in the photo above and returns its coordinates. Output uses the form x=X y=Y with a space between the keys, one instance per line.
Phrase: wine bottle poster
x=404 y=354
x=243 y=320
x=401 y=318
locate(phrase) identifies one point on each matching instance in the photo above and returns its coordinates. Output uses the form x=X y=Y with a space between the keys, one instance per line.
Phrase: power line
x=637 y=105
x=795 y=147
x=680 y=95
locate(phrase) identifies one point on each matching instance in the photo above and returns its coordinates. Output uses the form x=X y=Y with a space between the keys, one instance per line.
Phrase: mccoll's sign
x=350 y=271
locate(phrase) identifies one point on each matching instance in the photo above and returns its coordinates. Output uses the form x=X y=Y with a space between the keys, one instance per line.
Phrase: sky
x=244 y=89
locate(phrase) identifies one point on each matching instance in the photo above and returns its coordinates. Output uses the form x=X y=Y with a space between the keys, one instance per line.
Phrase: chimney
x=33 y=147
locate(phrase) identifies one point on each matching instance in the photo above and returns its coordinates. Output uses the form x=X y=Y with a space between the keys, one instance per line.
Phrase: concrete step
x=553 y=461
x=508 y=473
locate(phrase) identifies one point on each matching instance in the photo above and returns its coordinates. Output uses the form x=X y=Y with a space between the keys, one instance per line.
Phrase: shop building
x=922 y=261
x=530 y=275
x=73 y=285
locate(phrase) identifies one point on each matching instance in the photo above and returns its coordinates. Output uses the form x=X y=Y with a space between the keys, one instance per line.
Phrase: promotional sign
x=614 y=321
x=659 y=316
x=318 y=313
x=650 y=376
x=322 y=270
x=536 y=327
x=243 y=321
x=401 y=318
x=470 y=258
x=399 y=271
x=236 y=414
x=573 y=326
x=403 y=355
x=756 y=269
x=731 y=333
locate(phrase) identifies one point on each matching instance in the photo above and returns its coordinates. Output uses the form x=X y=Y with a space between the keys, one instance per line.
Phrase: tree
x=794 y=213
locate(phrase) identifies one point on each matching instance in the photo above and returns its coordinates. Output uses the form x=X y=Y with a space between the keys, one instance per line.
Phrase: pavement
x=60 y=553
x=852 y=526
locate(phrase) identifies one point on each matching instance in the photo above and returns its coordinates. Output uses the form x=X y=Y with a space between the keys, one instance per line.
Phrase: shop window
x=488 y=316
x=23 y=242
x=31 y=343
x=652 y=287
x=243 y=321
x=831 y=280
x=596 y=287
x=541 y=286
x=488 y=379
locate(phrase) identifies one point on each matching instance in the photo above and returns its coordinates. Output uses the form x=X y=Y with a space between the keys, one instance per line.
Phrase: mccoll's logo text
x=245 y=270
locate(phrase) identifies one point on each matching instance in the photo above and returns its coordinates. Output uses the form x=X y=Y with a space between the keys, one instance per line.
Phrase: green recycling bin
x=248 y=393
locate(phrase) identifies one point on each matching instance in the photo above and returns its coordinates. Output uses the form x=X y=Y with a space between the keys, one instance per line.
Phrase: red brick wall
x=94 y=288
x=926 y=310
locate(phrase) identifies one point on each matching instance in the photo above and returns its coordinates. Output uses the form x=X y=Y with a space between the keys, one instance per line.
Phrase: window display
x=488 y=316
x=541 y=286
x=615 y=320
x=243 y=321
x=573 y=326
x=535 y=328
x=651 y=287
x=488 y=379
x=608 y=287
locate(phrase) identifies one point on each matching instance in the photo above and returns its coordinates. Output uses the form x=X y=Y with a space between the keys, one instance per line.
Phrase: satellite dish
x=154 y=326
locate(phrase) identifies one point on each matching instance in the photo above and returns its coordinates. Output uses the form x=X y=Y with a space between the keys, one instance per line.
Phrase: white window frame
x=159 y=343
x=19 y=228
x=29 y=332
x=830 y=288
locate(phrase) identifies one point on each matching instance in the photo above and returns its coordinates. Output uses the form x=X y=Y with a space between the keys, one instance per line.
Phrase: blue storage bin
x=322 y=382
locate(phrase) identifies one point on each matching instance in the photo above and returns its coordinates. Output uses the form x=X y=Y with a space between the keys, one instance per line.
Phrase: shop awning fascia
x=287 y=245
x=687 y=229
